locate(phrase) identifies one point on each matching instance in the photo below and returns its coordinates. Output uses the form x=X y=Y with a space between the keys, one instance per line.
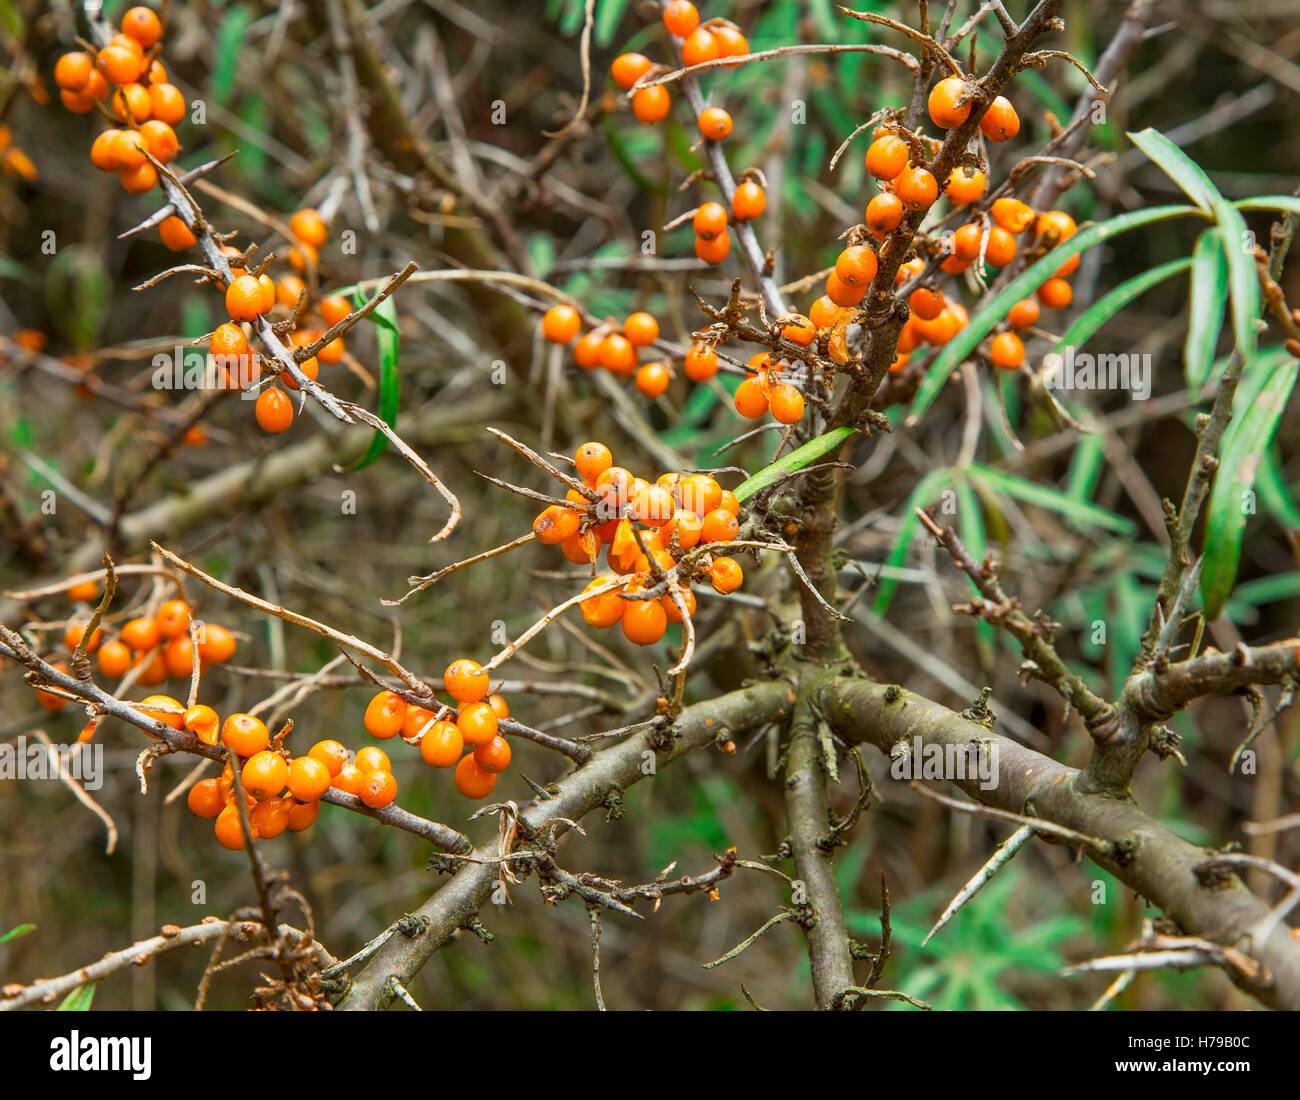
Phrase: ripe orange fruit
x=592 y=459
x=750 y=399
x=143 y=25
x=493 y=757
x=586 y=352
x=884 y=213
x=856 y=266
x=308 y=779
x=916 y=188
x=617 y=354
x=725 y=574
x=465 y=681
x=173 y=618
x=786 y=404
x=216 y=644
x=348 y=780
x=245 y=299
x=334 y=309
x=72 y=71
x=176 y=234
x=652 y=380
x=114 y=659
x=1013 y=215
x=442 y=744
x=1007 y=351
x=164 y=709
x=205 y=798
x=604 y=610
x=1000 y=121
x=273 y=410
x=560 y=324
x=628 y=68
x=103 y=151
x=1056 y=293
x=229 y=831
x=477 y=723
x=499 y=707
x=887 y=156
x=178 y=655
x=373 y=759
x=652 y=104
x=715 y=123
x=138 y=180
x=844 y=294
x=710 y=220
x=1023 y=314
x=166 y=103
x=680 y=17
x=713 y=250
x=303 y=816
x=641 y=329
x=471 y=780
x=159 y=139
x=1057 y=225
x=269 y=818
x=653 y=506
x=156 y=74
x=265 y=773
x=700 y=494
x=119 y=64
x=72 y=637
x=385 y=715
x=202 y=721
x=1001 y=247
x=965 y=185
x=245 y=734
x=141 y=634
x=700 y=363
x=926 y=304
x=331 y=754
x=670 y=605
x=749 y=201
x=731 y=43
x=945 y=112
x=700 y=46
x=132 y=102
x=554 y=524
x=721 y=525
x=309 y=227
x=644 y=621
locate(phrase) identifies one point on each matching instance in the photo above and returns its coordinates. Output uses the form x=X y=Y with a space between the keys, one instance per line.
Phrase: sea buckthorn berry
x=615 y=487
x=385 y=714
x=720 y=525
x=581 y=549
x=331 y=754
x=202 y=721
x=1013 y=215
x=900 y=361
x=494 y=756
x=138 y=180
x=334 y=309
x=205 y=798
x=267 y=286
x=1057 y=225
x=287 y=291
x=555 y=524
x=700 y=46
x=244 y=299
x=710 y=220
x=465 y=681
x=1007 y=351
x=72 y=637
x=1056 y=293
x=700 y=494
x=160 y=140
x=653 y=506
x=143 y=25
x=652 y=380
x=884 y=213
x=1000 y=121
x=786 y=404
x=1023 y=314
x=887 y=156
x=176 y=235
x=844 y=294
x=749 y=202
x=715 y=123
x=725 y=574
x=560 y=324
x=245 y=734
x=273 y=411
x=141 y=634
x=86 y=592
x=1001 y=247
x=269 y=818
x=442 y=744
x=713 y=250
x=178 y=655
x=308 y=779
x=628 y=68
x=909 y=339
x=76 y=102
x=916 y=188
x=373 y=759
x=964 y=242
x=823 y=313
x=302 y=256
x=641 y=329
x=303 y=816
x=644 y=621
x=965 y=185
x=685 y=526
x=617 y=354
x=228 y=829
x=651 y=105
x=797 y=328
x=670 y=605
x=700 y=363
x=127 y=148
x=499 y=706
x=925 y=303
x=156 y=74
x=416 y=721
x=96 y=88
x=173 y=618
x=954 y=266
x=477 y=723
x=946 y=110
x=856 y=266
x=164 y=709
x=586 y=352
x=228 y=340
x=265 y=773
x=680 y=17
x=729 y=502
x=119 y=64
x=1068 y=268
x=731 y=43
x=114 y=659
x=592 y=459
x=47 y=699
x=471 y=780
x=72 y=71
x=603 y=610
x=166 y=103
x=132 y=102
x=309 y=227
x=348 y=780
x=378 y=789
x=750 y=399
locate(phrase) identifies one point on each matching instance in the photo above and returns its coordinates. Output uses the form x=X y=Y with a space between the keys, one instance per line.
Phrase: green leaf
x=1045 y=496
x=1179 y=167
x=390 y=382
x=1023 y=284
x=1243 y=281
x=1207 y=297
x=14 y=933
x=795 y=460
x=1085 y=468
x=230 y=47
x=1274 y=494
x=78 y=1000
x=1244 y=445
x=1105 y=307
x=1289 y=203
x=924 y=492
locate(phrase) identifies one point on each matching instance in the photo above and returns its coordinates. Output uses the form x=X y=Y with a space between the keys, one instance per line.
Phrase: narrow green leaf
x=229 y=49
x=1243 y=280
x=924 y=492
x=1105 y=307
x=1207 y=297
x=1085 y=468
x=795 y=460
x=1289 y=203
x=14 y=933
x=390 y=381
x=1179 y=167
x=1081 y=511
x=78 y=1000
x=1244 y=444
x=1274 y=494
x=1024 y=284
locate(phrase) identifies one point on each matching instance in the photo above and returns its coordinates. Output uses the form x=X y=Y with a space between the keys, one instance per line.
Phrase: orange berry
x=173 y=618
x=416 y=721
x=273 y=410
x=178 y=655
x=750 y=399
x=715 y=123
x=1057 y=225
x=652 y=104
x=628 y=68
x=555 y=524
x=76 y=102
x=205 y=798
x=797 y=328
x=592 y=460
x=1068 y=268
x=308 y=779
x=103 y=151
x=749 y=201
x=710 y=220
x=132 y=102
x=141 y=634
x=644 y=621
x=72 y=71
x=900 y=361
x=720 y=525
x=334 y=309
x=653 y=506
x=465 y=681
x=157 y=74
x=348 y=780
x=493 y=757
x=119 y=64
x=856 y=266
x=786 y=404
x=471 y=780
x=244 y=299
x=331 y=754
x=887 y=156
x=1007 y=351
x=373 y=759
x=700 y=494
x=652 y=380
x=166 y=103
x=926 y=304
x=203 y=722
x=586 y=352
x=884 y=213
x=844 y=294
x=309 y=227
x=164 y=709
x=560 y=324
x=269 y=818
x=265 y=773
x=945 y=110
x=965 y=185
x=641 y=329
x=823 y=313
x=442 y=744
x=603 y=610
x=72 y=637
x=1013 y=215
x=1023 y=314
x=138 y=180
x=378 y=789
x=114 y=659
x=176 y=234
x=384 y=715
x=731 y=43
x=244 y=734
x=700 y=46
x=670 y=605
x=303 y=816
x=477 y=723
x=916 y=188
x=1000 y=121
x=499 y=707
x=302 y=256
x=617 y=354
x=1001 y=247
x=713 y=250
x=701 y=363
x=729 y=502
x=143 y=25
x=229 y=831
x=160 y=140
x=1056 y=293
x=680 y=17
x=725 y=574
x=287 y=291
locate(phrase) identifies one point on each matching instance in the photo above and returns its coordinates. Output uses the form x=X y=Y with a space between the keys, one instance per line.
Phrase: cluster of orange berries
x=145 y=105
x=608 y=347
x=443 y=742
x=678 y=512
